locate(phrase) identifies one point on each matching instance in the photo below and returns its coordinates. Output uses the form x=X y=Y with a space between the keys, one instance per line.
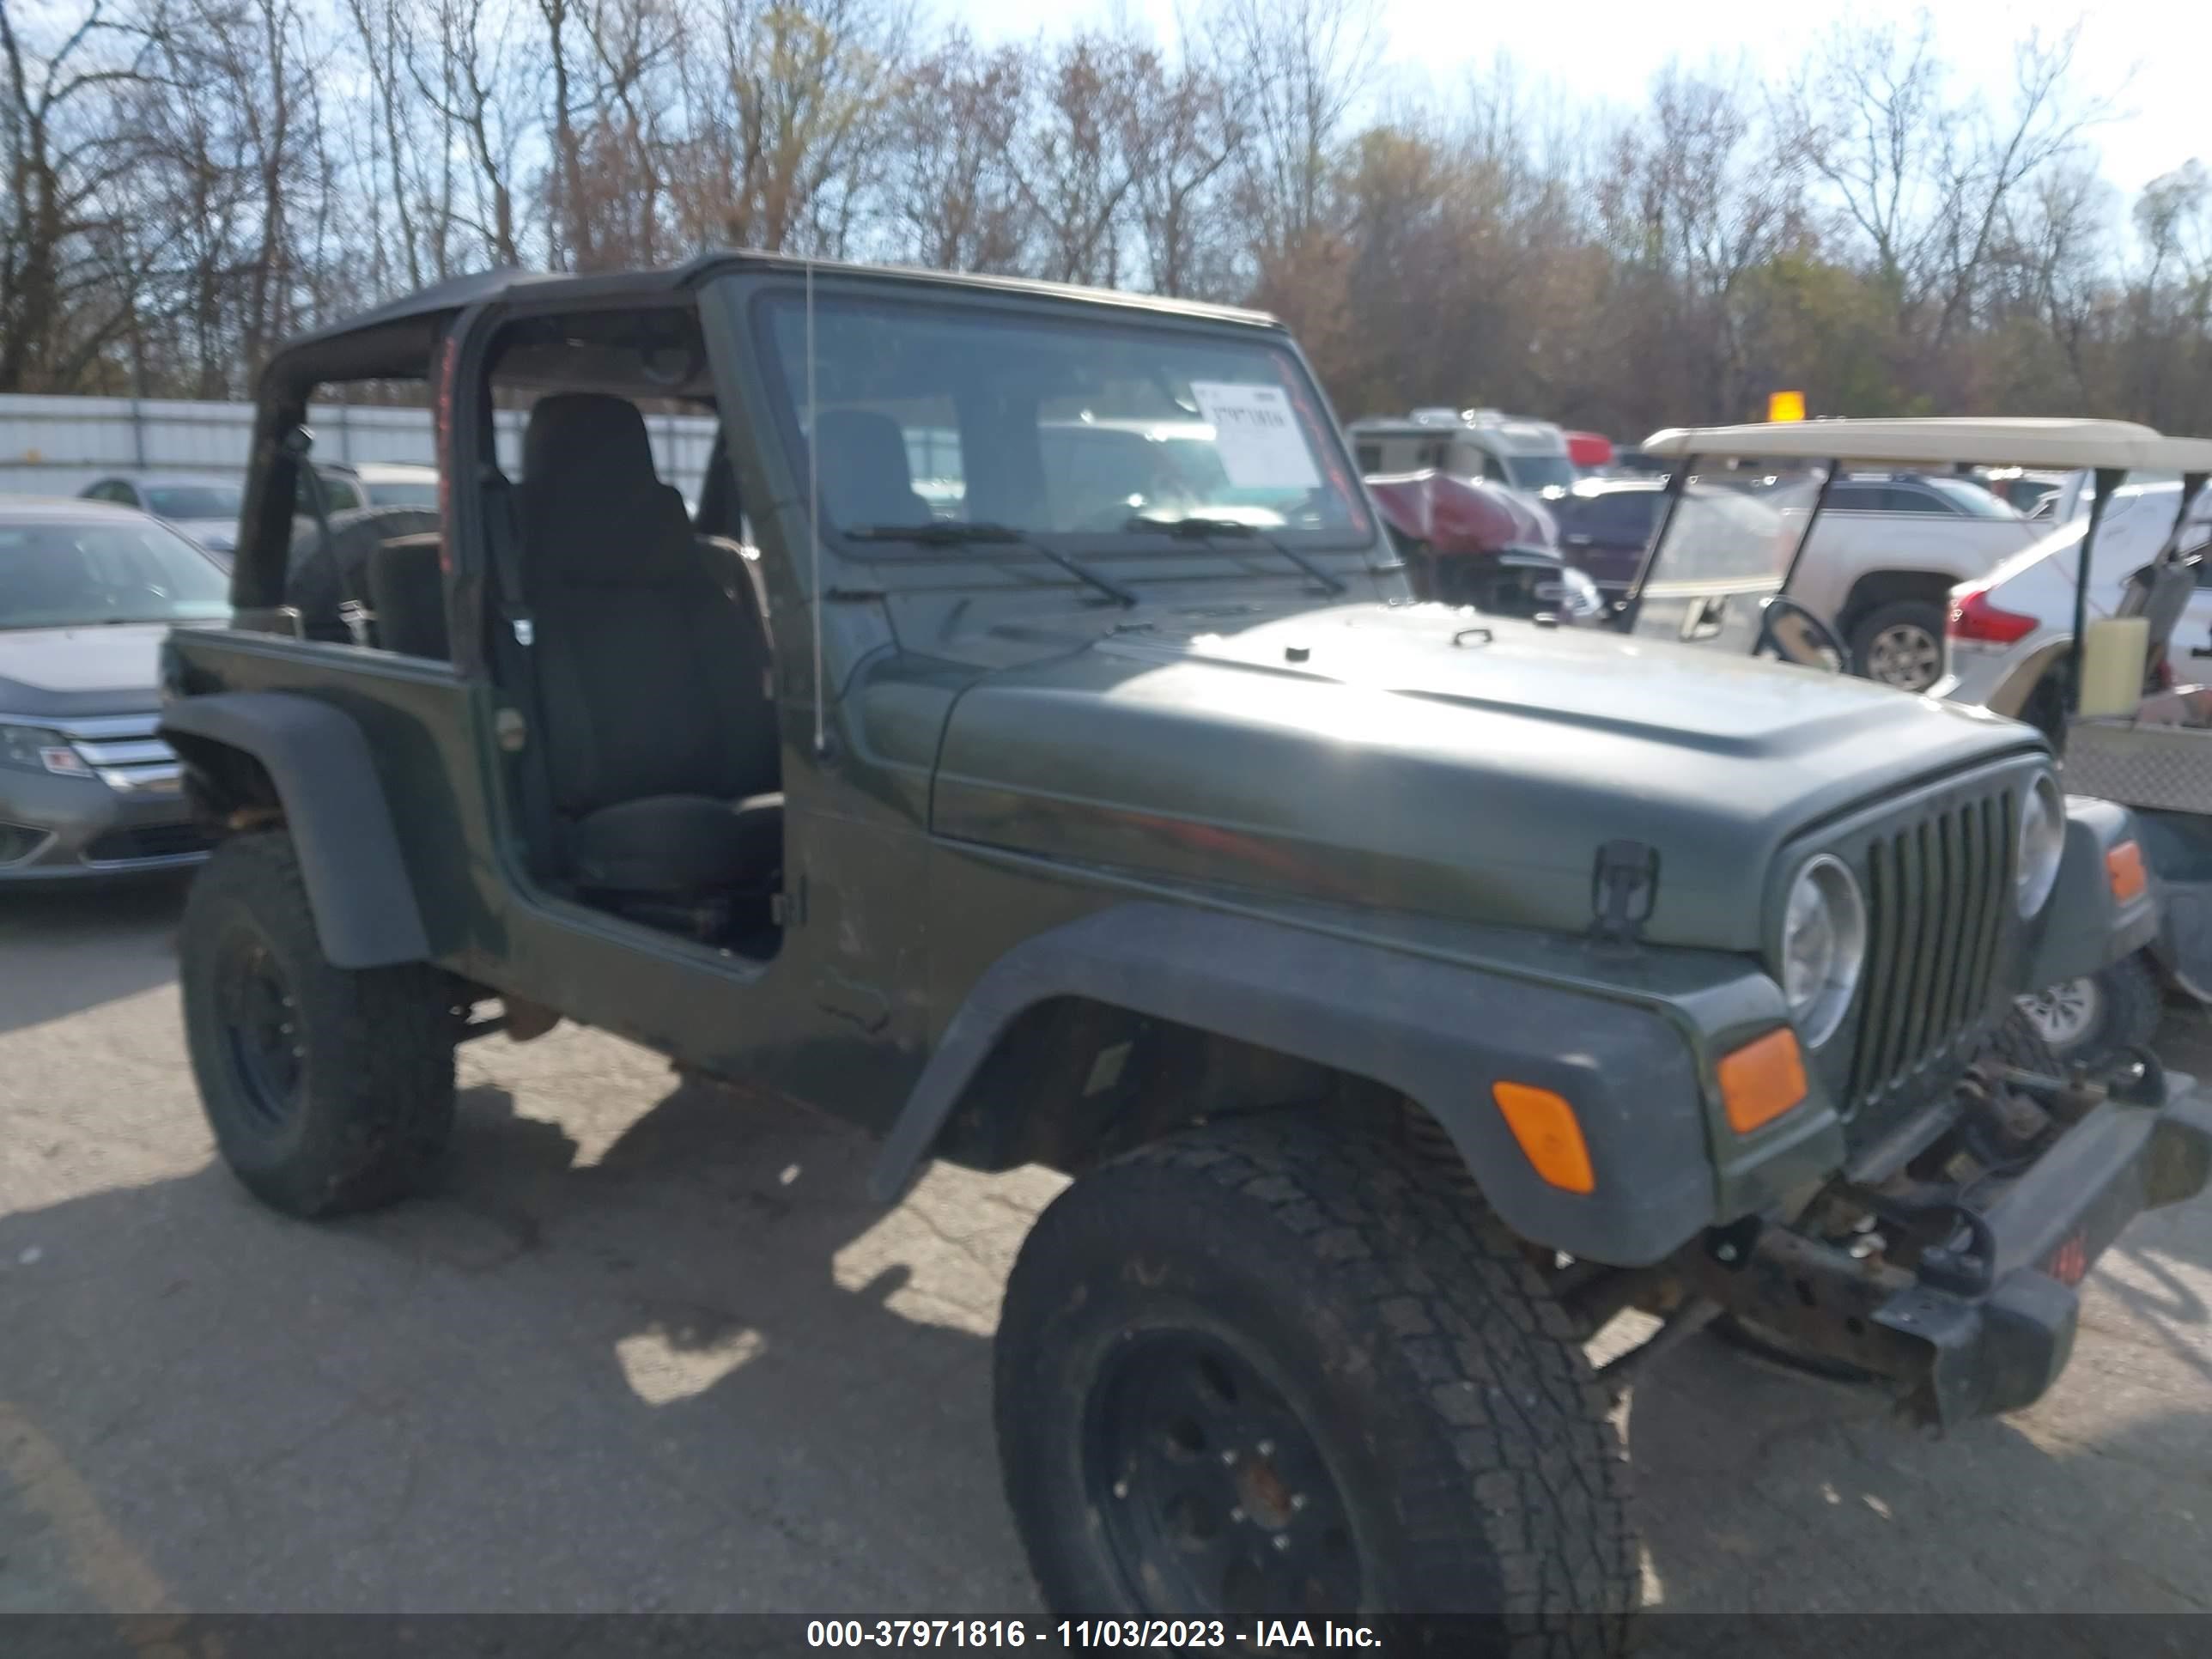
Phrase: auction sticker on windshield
x=1256 y=432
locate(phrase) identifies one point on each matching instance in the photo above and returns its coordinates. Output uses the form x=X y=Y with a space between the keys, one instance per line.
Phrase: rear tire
x=1901 y=644
x=1267 y=1369
x=329 y=1089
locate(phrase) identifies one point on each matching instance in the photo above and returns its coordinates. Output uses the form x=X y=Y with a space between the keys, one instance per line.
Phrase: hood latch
x=1624 y=888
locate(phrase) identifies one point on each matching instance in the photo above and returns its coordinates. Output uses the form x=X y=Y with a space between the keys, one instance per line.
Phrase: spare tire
x=323 y=574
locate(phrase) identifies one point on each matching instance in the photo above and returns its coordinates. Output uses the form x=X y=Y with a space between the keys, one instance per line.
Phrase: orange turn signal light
x=1762 y=1080
x=1544 y=1126
x=2124 y=869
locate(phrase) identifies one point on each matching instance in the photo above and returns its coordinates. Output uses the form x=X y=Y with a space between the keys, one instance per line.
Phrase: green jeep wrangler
x=1030 y=750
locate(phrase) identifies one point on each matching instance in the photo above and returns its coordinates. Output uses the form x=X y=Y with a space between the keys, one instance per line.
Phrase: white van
x=1524 y=454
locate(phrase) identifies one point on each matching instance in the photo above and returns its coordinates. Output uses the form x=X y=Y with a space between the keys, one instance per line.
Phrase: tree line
x=188 y=181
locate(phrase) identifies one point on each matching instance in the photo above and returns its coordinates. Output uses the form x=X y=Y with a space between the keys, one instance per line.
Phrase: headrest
x=865 y=476
x=591 y=506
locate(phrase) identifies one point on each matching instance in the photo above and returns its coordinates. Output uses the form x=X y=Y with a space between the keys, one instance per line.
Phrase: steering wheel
x=1827 y=651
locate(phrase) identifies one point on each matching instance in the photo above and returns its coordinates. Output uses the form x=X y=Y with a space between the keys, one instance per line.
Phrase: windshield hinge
x=1624 y=888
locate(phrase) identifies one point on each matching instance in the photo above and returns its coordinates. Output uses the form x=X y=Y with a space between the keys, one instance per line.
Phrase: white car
x=204 y=506
x=2008 y=631
x=1887 y=550
x=354 y=485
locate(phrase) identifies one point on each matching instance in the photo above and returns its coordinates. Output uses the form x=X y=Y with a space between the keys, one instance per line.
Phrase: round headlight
x=1824 y=935
x=2042 y=844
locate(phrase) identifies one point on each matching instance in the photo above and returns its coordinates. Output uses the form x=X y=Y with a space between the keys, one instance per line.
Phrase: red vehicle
x=1587 y=450
x=1467 y=542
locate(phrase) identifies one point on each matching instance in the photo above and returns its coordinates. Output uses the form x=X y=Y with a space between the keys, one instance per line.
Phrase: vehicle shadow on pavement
x=686 y=1363
x=69 y=946
x=694 y=1372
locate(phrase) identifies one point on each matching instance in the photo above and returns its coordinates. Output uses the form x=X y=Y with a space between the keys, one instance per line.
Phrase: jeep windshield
x=1721 y=554
x=1100 y=434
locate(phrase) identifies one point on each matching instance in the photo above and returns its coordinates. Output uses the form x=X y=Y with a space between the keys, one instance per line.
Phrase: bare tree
x=1071 y=163
x=956 y=205
x=1180 y=135
x=1295 y=69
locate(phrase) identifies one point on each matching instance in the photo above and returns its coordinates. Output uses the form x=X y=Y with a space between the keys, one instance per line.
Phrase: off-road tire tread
x=381 y=1047
x=1401 y=1234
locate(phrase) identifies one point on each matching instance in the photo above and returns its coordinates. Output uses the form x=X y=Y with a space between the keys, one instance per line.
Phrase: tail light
x=1973 y=618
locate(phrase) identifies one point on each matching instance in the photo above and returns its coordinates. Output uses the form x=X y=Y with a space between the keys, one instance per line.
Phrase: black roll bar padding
x=2107 y=481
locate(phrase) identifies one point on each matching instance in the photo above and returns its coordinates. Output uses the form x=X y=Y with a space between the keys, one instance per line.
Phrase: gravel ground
x=650 y=1347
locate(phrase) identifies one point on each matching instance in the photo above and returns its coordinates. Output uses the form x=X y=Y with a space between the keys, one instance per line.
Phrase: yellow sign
x=1785 y=406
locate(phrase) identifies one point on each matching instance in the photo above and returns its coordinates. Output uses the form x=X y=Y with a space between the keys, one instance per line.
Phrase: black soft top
x=395 y=340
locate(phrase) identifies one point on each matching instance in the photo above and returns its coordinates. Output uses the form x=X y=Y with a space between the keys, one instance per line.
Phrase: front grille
x=146 y=841
x=1937 y=892
x=127 y=750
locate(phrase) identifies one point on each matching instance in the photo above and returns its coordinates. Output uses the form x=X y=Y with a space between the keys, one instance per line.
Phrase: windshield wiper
x=950 y=533
x=1205 y=529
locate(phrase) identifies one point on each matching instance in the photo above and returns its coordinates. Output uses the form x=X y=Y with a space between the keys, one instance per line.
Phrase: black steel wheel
x=1285 y=1368
x=1210 y=1486
x=329 y=1089
x=261 y=1037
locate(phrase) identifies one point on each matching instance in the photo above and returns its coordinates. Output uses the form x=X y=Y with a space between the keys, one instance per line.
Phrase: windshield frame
x=1330 y=453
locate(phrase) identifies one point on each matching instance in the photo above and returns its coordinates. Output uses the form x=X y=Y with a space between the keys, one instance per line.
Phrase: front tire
x=329 y=1089
x=1901 y=644
x=1263 y=1370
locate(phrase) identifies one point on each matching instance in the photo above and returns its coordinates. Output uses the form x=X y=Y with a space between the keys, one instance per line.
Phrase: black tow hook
x=1968 y=1272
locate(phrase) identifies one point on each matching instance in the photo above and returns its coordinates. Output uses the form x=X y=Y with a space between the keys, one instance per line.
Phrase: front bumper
x=1999 y=1351
x=1964 y=1338
x=129 y=816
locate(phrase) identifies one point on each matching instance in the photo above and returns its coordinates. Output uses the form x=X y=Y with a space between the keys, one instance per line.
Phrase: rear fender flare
x=1438 y=1033
x=358 y=887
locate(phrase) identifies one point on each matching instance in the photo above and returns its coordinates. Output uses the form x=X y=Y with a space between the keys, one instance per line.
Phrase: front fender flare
x=358 y=887
x=1437 y=1032
x=2083 y=928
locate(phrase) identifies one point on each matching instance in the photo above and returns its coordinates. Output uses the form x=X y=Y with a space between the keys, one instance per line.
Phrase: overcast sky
x=2161 y=50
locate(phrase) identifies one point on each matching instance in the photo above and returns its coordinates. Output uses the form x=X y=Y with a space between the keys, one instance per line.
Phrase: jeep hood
x=1426 y=760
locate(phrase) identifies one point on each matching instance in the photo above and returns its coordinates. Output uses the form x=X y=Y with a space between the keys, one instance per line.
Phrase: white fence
x=56 y=446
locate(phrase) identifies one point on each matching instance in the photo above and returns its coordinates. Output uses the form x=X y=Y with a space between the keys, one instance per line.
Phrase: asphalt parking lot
x=649 y=1347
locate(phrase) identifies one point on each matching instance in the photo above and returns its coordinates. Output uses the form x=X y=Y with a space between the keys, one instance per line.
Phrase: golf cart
x=2121 y=748
x=2136 y=729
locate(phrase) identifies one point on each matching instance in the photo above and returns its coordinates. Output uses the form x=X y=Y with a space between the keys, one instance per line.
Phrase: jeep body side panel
x=1439 y=1033
x=358 y=885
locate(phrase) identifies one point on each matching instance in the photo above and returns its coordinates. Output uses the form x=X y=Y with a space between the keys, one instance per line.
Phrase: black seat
x=407 y=592
x=652 y=667
x=865 y=478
